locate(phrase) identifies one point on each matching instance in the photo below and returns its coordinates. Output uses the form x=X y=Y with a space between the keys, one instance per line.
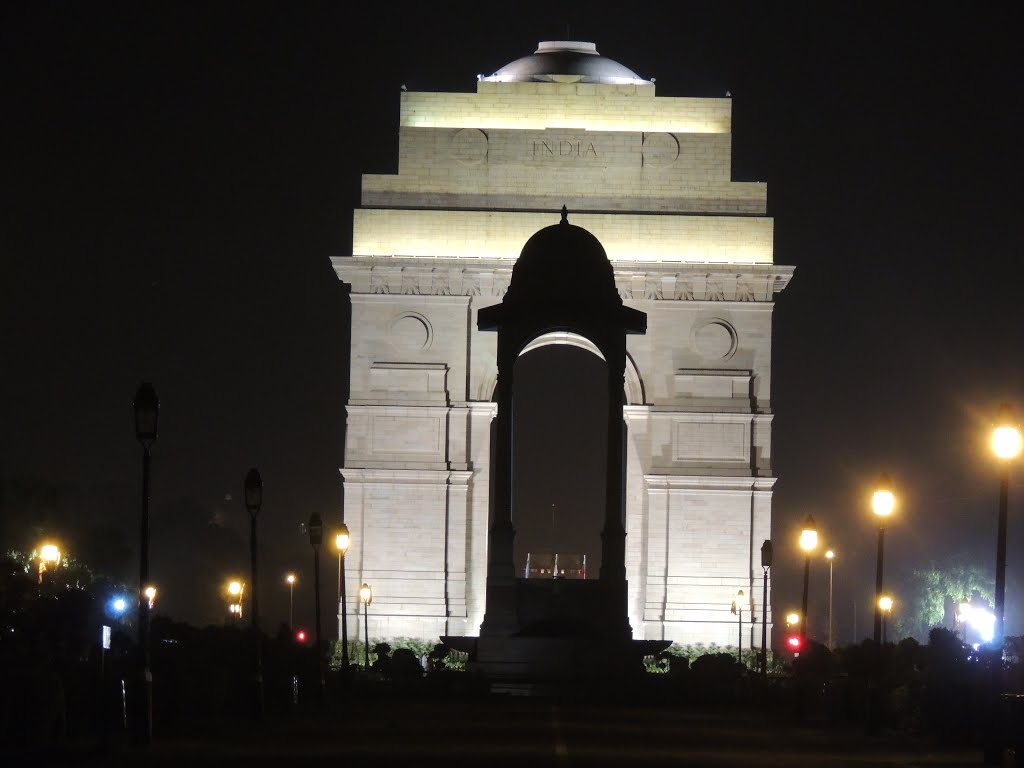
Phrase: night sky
x=176 y=177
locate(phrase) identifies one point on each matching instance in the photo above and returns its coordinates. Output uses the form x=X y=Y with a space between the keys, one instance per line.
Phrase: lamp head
x=829 y=554
x=1006 y=437
x=882 y=500
x=234 y=588
x=885 y=603
x=316 y=530
x=792 y=618
x=253 y=491
x=342 y=539
x=50 y=553
x=366 y=594
x=809 y=536
x=147 y=411
x=766 y=554
x=290 y=578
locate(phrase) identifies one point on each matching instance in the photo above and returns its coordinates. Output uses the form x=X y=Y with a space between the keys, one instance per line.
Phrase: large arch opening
x=560 y=438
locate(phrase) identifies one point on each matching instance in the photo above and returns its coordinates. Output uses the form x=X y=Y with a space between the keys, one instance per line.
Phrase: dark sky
x=176 y=177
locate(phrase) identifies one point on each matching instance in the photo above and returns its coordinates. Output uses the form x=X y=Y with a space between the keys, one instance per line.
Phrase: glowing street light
x=792 y=619
x=1006 y=445
x=883 y=502
x=808 y=543
x=366 y=597
x=49 y=558
x=290 y=579
x=150 y=594
x=236 y=589
x=885 y=607
x=342 y=540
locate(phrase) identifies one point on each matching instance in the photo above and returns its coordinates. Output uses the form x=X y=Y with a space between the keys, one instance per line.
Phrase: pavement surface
x=524 y=732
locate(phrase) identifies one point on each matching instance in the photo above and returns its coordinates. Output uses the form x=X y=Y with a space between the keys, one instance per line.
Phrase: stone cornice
x=709 y=483
x=653 y=281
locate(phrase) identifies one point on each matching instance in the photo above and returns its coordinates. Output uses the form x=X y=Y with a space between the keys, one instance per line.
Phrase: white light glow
x=1007 y=442
x=983 y=622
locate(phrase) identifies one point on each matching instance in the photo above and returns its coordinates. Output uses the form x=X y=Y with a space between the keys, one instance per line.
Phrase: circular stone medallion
x=715 y=340
x=469 y=146
x=410 y=331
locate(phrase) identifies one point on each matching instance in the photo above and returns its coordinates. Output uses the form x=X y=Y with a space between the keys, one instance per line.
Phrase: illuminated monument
x=480 y=174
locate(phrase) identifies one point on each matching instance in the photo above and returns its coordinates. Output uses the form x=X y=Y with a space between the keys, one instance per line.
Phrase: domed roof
x=566 y=61
x=563 y=263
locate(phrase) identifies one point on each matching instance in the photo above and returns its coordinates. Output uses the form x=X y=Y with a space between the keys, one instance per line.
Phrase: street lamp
x=150 y=593
x=766 y=564
x=882 y=504
x=1006 y=445
x=253 y=503
x=830 y=555
x=341 y=543
x=147 y=413
x=290 y=578
x=737 y=608
x=885 y=607
x=236 y=589
x=316 y=537
x=808 y=543
x=366 y=597
x=49 y=557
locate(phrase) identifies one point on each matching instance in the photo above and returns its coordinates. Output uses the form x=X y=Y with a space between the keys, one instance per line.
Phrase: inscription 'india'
x=564 y=148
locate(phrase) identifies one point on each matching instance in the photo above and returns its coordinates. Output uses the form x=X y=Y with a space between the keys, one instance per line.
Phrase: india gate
x=561 y=149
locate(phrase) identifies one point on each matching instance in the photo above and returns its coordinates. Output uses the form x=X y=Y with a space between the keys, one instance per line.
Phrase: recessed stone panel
x=696 y=441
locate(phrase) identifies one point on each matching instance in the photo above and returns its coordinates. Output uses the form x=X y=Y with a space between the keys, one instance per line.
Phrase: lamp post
x=1006 y=445
x=830 y=555
x=290 y=578
x=766 y=564
x=147 y=412
x=253 y=503
x=882 y=504
x=737 y=608
x=366 y=597
x=341 y=543
x=316 y=536
x=808 y=543
x=884 y=607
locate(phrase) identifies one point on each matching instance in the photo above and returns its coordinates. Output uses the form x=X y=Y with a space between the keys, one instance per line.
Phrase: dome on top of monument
x=563 y=263
x=566 y=61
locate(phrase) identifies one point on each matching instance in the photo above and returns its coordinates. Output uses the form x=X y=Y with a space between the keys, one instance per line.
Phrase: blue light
x=118 y=604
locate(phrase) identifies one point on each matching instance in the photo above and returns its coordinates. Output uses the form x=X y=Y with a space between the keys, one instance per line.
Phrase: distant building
x=544 y=565
x=479 y=173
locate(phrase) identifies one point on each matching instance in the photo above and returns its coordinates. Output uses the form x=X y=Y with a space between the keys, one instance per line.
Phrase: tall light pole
x=808 y=543
x=737 y=608
x=882 y=504
x=147 y=412
x=366 y=597
x=253 y=503
x=830 y=555
x=316 y=537
x=341 y=543
x=766 y=564
x=1006 y=445
x=290 y=579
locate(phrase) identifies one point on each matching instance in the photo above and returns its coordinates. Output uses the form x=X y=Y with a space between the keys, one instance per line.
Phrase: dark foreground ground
x=522 y=732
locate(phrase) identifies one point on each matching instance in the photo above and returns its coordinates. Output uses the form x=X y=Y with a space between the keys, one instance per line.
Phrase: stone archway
x=562 y=284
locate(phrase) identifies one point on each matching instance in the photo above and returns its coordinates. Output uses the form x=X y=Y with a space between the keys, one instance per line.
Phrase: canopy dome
x=566 y=61
x=563 y=263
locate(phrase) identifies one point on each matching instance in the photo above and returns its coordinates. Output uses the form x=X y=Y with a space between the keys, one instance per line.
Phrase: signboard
x=105 y=637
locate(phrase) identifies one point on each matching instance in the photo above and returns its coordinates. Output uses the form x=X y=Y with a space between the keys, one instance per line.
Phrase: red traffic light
x=301 y=635
x=794 y=643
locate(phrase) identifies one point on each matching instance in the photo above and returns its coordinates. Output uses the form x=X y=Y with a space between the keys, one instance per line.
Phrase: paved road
x=534 y=733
